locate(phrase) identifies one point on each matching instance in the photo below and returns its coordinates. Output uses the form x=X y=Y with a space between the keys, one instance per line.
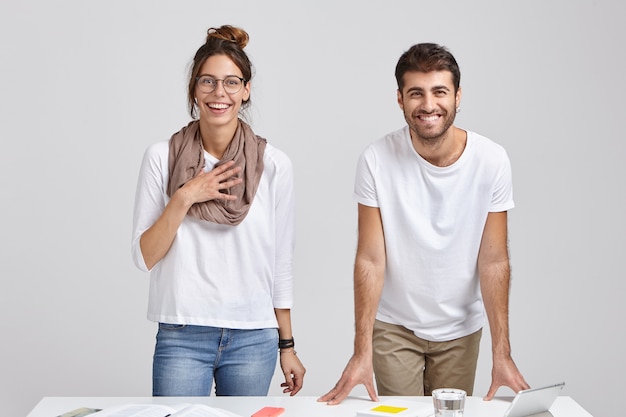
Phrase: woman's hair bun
x=229 y=33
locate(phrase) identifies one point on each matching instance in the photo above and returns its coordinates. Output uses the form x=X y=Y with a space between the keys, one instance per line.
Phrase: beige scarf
x=186 y=160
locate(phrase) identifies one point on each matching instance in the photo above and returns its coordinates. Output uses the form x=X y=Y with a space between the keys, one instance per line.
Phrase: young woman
x=214 y=225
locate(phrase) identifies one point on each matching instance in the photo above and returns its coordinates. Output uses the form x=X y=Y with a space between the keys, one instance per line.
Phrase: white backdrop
x=86 y=86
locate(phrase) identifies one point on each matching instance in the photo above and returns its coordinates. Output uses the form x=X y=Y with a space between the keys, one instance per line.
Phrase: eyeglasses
x=232 y=84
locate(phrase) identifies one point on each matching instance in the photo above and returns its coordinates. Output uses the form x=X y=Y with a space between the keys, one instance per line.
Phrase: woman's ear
x=246 y=92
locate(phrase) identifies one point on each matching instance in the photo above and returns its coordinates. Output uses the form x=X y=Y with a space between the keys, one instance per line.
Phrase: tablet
x=534 y=401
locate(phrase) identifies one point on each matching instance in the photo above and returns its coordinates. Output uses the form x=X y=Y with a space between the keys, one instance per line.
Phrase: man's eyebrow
x=414 y=89
x=434 y=88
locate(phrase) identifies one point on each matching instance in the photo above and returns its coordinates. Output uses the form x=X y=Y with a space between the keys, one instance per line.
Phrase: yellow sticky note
x=389 y=409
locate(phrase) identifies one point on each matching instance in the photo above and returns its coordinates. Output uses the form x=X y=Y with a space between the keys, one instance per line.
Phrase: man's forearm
x=368 y=284
x=495 y=284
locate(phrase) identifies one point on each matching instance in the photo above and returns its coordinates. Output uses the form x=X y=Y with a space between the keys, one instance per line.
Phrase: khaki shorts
x=405 y=364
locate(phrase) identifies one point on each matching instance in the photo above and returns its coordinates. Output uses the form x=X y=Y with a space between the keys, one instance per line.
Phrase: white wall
x=86 y=86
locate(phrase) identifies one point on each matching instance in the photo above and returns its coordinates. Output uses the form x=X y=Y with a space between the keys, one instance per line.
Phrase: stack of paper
x=160 y=410
x=397 y=408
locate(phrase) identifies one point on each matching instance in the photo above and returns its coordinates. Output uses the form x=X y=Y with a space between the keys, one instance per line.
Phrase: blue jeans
x=188 y=358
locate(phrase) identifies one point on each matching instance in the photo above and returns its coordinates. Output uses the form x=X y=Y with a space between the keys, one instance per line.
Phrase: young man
x=432 y=252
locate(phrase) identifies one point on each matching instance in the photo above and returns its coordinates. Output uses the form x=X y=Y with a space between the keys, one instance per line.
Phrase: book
x=80 y=412
x=162 y=410
x=398 y=408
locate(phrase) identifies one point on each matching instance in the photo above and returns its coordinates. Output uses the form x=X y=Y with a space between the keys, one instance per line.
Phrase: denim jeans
x=188 y=358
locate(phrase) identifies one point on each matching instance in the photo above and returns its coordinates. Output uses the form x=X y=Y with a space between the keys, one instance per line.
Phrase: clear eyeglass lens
x=231 y=84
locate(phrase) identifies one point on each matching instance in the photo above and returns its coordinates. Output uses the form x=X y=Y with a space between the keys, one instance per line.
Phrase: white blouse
x=219 y=275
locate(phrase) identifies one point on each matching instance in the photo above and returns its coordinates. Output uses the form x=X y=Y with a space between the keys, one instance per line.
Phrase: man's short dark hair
x=427 y=57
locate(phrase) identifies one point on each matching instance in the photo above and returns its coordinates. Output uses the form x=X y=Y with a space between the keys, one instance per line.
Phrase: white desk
x=298 y=406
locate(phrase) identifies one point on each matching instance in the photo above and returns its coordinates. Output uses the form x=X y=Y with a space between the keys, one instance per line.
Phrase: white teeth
x=218 y=106
x=429 y=118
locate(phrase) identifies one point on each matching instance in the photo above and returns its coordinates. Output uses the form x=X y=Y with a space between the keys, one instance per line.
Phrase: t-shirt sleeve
x=365 y=182
x=285 y=234
x=149 y=198
x=502 y=197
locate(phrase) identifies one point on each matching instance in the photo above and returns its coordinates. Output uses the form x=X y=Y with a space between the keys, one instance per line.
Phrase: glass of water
x=449 y=402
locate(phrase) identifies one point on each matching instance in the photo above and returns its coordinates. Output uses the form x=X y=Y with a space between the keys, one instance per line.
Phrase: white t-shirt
x=219 y=275
x=433 y=219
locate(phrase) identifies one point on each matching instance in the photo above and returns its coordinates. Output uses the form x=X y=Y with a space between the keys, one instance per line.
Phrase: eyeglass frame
x=243 y=80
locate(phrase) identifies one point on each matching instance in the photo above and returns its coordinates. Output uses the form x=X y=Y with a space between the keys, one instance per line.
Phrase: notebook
x=534 y=401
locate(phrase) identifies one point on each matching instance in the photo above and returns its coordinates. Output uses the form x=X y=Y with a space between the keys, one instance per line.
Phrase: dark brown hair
x=225 y=40
x=427 y=57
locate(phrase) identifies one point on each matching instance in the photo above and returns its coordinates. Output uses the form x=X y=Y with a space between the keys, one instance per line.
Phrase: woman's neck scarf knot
x=186 y=160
